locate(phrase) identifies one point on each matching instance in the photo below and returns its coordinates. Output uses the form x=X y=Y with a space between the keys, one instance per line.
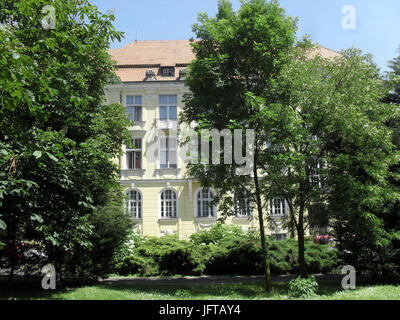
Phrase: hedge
x=223 y=250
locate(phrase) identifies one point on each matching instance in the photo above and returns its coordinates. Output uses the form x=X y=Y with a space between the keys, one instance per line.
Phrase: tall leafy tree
x=57 y=135
x=394 y=82
x=384 y=261
x=328 y=146
x=238 y=55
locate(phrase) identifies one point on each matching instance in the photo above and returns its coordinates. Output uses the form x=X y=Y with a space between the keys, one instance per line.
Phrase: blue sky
x=377 y=29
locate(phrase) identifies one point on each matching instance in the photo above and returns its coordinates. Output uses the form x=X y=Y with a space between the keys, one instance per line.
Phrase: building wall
x=151 y=180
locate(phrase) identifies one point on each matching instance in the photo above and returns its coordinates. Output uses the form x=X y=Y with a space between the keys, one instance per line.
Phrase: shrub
x=222 y=250
x=240 y=256
x=183 y=293
x=162 y=256
x=303 y=287
x=111 y=226
x=215 y=234
x=137 y=264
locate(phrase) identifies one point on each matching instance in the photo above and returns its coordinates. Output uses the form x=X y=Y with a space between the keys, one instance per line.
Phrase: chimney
x=150 y=75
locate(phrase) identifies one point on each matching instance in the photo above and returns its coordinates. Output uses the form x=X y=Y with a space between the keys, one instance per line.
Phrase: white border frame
x=195 y=205
x=240 y=217
x=159 y=204
x=278 y=215
x=141 y=197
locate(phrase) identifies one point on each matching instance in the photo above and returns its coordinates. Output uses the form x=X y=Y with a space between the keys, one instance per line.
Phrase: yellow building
x=163 y=199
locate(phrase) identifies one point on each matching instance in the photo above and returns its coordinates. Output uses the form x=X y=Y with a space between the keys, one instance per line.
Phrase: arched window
x=204 y=208
x=277 y=207
x=168 y=204
x=242 y=203
x=134 y=206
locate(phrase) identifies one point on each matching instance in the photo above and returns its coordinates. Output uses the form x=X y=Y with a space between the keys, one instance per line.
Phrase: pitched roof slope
x=134 y=59
x=165 y=53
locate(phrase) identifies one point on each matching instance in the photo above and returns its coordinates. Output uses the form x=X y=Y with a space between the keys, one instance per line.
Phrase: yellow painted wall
x=150 y=181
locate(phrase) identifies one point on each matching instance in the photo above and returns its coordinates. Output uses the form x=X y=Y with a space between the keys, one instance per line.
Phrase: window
x=134 y=154
x=204 y=208
x=242 y=202
x=134 y=107
x=315 y=174
x=277 y=207
x=134 y=206
x=168 y=72
x=280 y=236
x=168 y=152
x=168 y=109
x=168 y=204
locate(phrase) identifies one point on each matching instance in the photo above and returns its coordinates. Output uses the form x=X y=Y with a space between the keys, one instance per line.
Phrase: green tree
x=368 y=221
x=237 y=55
x=111 y=227
x=382 y=262
x=328 y=143
x=394 y=81
x=57 y=136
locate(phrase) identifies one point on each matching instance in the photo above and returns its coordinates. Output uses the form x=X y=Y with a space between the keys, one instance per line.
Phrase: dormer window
x=168 y=72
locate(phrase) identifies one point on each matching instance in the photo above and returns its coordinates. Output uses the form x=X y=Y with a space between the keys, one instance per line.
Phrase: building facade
x=162 y=198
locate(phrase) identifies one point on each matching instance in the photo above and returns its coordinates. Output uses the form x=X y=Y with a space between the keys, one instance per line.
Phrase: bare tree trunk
x=300 y=235
x=264 y=247
x=292 y=227
x=13 y=260
x=11 y=275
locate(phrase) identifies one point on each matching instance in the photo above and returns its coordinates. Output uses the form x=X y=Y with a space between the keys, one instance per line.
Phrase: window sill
x=167 y=219
x=206 y=218
x=243 y=218
x=280 y=216
x=168 y=171
x=138 y=126
x=126 y=173
x=134 y=170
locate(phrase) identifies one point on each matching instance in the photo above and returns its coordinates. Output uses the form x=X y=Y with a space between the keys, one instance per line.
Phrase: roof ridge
x=328 y=48
x=148 y=41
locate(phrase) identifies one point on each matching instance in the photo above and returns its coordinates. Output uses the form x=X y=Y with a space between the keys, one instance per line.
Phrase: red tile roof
x=134 y=59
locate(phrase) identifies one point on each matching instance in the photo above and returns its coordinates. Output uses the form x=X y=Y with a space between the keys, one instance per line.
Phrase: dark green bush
x=137 y=264
x=222 y=250
x=162 y=256
x=237 y=256
x=303 y=288
x=218 y=232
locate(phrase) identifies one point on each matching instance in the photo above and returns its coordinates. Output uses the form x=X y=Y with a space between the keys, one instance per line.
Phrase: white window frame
x=168 y=105
x=283 y=207
x=168 y=149
x=134 y=151
x=196 y=209
x=136 y=204
x=315 y=174
x=135 y=106
x=248 y=207
x=172 y=203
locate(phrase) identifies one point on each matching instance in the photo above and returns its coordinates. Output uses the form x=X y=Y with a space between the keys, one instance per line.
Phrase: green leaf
x=36 y=217
x=52 y=157
x=3 y=225
x=37 y=154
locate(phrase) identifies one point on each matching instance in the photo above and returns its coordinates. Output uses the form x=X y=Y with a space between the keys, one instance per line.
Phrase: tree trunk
x=13 y=260
x=264 y=247
x=300 y=235
x=292 y=227
x=11 y=275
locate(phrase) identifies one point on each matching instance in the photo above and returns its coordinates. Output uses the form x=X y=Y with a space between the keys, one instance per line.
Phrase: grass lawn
x=199 y=292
